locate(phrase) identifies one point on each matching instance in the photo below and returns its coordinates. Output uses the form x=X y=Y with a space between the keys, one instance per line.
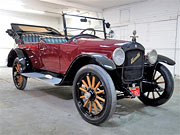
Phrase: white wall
x=177 y=54
x=156 y=25
x=14 y=17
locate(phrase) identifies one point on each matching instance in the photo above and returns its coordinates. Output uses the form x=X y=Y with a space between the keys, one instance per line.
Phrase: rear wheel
x=158 y=90
x=19 y=80
x=94 y=94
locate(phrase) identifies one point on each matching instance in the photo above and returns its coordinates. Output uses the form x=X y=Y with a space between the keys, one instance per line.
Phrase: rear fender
x=17 y=53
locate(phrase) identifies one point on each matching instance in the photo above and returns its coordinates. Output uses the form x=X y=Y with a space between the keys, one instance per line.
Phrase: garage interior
x=44 y=109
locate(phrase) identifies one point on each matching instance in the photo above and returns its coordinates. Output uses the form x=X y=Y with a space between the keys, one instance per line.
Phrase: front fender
x=166 y=60
x=103 y=61
x=85 y=59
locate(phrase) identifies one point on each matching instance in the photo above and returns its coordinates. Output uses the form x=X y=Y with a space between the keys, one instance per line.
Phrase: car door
x=49 y=54
x=32 y=50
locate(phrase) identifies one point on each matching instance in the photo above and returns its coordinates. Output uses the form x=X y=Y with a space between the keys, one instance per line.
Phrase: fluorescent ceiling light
x=20 y=9
x=12 y=2
x=18 y=6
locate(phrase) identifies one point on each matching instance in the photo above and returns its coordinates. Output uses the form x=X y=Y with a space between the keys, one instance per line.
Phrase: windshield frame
x=66 y=28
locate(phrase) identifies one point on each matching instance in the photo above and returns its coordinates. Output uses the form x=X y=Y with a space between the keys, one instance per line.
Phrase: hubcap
x=92 y=93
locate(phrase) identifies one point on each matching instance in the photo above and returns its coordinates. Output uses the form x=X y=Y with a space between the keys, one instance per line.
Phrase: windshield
x=75 y=25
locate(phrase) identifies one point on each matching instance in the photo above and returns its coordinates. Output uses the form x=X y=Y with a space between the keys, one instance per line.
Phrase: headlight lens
x=118 y=56
x=152 y=56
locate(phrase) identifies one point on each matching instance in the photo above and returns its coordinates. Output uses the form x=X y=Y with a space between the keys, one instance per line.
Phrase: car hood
x=97 y=45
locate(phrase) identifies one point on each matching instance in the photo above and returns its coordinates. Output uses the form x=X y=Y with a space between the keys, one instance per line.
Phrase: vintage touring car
x=101 y=70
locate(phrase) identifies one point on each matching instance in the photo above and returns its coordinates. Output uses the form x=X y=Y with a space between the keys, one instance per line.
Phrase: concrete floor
x=46 y=110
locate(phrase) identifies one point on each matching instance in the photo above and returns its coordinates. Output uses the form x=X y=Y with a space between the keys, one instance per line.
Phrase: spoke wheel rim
x=91 y=95
x=18 y=78
x=159 y=86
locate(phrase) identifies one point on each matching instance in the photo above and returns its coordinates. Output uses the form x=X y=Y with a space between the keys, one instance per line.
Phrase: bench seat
x=47 y=39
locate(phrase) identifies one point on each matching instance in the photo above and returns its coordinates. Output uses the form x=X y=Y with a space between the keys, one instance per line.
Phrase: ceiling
x=103 y=4
x=54 y=7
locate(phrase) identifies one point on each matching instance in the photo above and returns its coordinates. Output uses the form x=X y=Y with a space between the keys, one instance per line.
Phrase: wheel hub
x=87 y=95
x=92 y=93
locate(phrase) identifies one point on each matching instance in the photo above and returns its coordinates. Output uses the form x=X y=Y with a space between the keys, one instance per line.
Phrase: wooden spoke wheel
x=158 y=90
x=19 y=80
x=94 y=94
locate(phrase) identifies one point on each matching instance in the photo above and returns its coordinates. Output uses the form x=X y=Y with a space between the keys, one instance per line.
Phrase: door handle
x=42 y=49
x=27 y=49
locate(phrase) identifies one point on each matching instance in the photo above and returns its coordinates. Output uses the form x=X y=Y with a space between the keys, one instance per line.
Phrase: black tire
x=97 y=114
x=19 y=80
x=163 y=94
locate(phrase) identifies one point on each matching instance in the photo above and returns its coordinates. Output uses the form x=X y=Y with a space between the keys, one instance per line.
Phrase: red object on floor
x=135 y=91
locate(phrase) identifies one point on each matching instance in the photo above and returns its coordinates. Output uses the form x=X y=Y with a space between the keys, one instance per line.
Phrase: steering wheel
x=90 y=29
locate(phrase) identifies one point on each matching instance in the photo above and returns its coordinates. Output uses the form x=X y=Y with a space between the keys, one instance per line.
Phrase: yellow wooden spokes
x=98 y=104
x=89 y=82
x=97 y=86
x=82 y=96
x=99 y=92
x=20 y=79
x=18 y=67
x=85 y=84
x=82 y=89
x=100 y=98
x=95 y=108
x=93 y=81
x=86 y=103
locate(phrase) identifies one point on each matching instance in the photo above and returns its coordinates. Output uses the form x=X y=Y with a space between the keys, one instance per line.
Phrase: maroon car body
x=101 y=70
x=46 y=56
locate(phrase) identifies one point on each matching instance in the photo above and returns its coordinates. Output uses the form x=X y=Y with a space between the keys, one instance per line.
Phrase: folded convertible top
x=24 y=28
x=18 y=30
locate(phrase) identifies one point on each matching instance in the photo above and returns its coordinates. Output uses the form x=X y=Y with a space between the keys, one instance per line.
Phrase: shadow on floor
x=127 y=110
x=60 y=92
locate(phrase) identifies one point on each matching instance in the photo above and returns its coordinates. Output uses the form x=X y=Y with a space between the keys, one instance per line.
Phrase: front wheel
x=94 y=94
x=157 y=91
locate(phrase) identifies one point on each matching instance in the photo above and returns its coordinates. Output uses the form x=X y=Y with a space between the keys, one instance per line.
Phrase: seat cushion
x=30 y=38
x=53 y=40
x=37 y=38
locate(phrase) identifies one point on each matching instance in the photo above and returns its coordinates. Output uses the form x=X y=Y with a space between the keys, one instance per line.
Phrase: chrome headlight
x=152 y=56
x=118 y=56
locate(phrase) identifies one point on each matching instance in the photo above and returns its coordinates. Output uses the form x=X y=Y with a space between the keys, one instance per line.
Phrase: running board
x=43 y=77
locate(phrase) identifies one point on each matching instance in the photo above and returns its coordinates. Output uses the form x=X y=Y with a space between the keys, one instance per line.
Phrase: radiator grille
x=134 y=65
